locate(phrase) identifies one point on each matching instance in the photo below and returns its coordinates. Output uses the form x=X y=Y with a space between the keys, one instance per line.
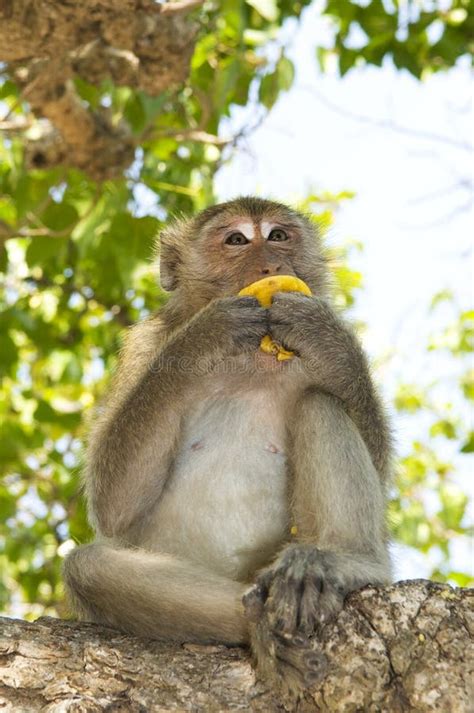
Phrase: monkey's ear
x=168 y=251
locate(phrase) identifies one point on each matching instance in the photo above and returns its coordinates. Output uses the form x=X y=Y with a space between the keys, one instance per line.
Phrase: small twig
x=190 y=135
x=119 y=312
x=19 y=124
x=23 y=231
x=441 y=220
x=387 y=124
x=443 y=192
x=193 y=133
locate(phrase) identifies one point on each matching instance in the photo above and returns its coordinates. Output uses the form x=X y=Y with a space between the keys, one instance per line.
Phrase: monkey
x=236 y=498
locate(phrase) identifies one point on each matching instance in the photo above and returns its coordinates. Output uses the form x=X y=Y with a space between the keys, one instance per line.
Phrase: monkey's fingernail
x=280 y=624
x=253 y=604
x=299 y=641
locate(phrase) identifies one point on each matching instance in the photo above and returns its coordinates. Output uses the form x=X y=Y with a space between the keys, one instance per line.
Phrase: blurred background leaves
x=75 y=270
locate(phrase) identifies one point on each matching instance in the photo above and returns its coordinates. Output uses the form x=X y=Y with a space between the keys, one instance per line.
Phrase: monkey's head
x=230 y=245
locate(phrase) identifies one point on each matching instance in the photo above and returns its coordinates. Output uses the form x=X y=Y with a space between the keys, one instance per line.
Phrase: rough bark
x=407 y=647
x=46 y=43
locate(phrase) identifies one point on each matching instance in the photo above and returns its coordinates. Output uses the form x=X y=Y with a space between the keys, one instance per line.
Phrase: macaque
x=236 y=498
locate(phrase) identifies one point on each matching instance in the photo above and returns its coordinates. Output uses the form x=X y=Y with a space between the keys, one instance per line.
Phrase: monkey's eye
x=236 y=239
x=278 y=235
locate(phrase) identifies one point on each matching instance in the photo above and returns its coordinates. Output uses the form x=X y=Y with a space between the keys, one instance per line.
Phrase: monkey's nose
x=272 y=270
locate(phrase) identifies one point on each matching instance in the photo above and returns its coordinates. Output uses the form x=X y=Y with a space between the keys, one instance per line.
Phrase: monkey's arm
x=336 y=364
x=132 y=444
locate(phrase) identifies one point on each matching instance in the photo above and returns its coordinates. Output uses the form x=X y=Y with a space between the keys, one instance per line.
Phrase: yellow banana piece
x=264 y=290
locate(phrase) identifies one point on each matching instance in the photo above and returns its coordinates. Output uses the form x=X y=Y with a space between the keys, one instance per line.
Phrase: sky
x=400 y=145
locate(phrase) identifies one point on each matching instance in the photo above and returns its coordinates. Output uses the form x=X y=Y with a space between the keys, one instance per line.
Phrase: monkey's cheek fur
x=264 y=290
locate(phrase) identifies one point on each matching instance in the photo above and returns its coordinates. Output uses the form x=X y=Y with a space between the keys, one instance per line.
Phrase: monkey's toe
x=291 y=664
x=254 y=602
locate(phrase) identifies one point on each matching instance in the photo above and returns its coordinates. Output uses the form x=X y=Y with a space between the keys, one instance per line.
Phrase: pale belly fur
x=224 y=505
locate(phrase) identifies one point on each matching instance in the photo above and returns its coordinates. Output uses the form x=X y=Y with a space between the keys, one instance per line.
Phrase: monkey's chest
x=225 y=503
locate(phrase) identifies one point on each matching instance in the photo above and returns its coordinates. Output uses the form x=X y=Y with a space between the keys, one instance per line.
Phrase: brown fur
x=207 y=454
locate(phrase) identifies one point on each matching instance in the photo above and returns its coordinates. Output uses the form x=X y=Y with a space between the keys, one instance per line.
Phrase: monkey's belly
x=225 y=503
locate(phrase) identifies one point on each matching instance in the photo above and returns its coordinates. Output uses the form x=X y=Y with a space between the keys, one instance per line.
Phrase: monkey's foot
x=290 y=601
x=289 y=664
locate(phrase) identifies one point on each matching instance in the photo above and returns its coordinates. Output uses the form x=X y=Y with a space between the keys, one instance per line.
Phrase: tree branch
x=180 y=7
x=406 y=647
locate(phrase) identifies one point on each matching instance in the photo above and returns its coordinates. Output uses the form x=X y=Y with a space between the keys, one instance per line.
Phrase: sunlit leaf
x=267 y=8
x=468 y=446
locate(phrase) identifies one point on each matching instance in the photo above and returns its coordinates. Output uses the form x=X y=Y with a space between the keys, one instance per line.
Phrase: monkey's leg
x=154 y=595
x=337 y=506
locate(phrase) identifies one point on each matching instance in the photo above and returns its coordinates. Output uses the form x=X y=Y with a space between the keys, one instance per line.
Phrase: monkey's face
x=231 y=245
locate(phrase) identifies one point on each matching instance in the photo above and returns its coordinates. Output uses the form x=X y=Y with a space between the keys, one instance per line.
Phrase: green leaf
x=286 y=73
x=7 y=506
x=445 y=428
x=269 y=89
x=8 y=353
x=3 y=259
x=88 y=92
x=44 y=413
x=409 y=398
x=8 y=89
x=454 y=503
x=467 y=384
x=41 y=250
x=12 y=439
x=468 y=446
x=268 y=9
x=442 y=296
x=134 y=113
x=460 y=579
x=60 y=216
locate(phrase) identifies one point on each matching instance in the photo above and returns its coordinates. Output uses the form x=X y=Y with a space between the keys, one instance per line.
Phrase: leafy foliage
x=429 y=511
x=74 y=273
x=421 y=37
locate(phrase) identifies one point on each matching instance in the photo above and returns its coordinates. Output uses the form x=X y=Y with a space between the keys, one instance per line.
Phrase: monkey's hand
x=224 y=327
x=326 y=345
x=298 y=593
x=291 y=600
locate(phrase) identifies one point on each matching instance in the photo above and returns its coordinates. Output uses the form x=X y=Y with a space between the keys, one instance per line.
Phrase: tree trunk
x=48 y=44
x=407 y=647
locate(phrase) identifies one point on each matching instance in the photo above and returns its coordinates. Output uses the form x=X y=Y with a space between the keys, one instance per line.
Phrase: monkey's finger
x=253 y=605
x=283 y=604
x=264 y=580
x=247 y=305
x=254 y=600
x=310 y=604
x=292 y=297
x=243 y=302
